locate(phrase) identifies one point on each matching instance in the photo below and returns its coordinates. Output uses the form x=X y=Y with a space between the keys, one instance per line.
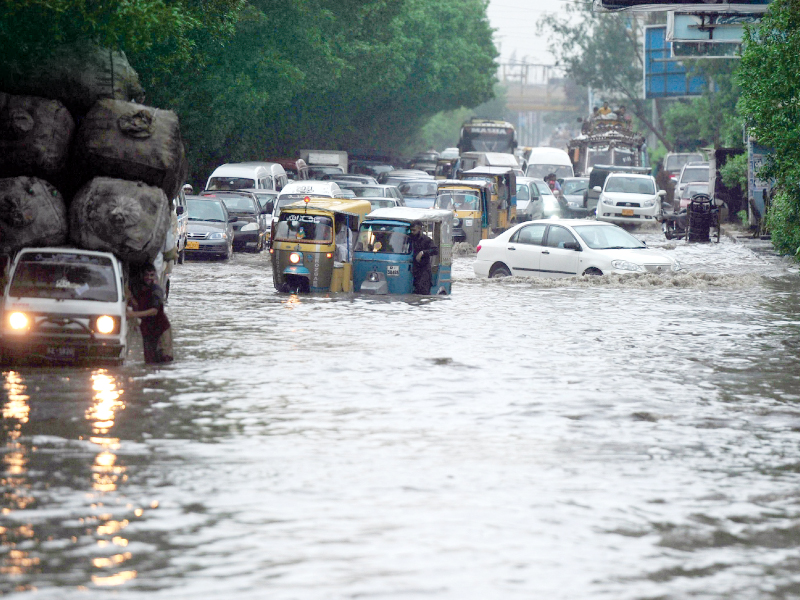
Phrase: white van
x=543 y=161
x=248 y=175
x=470 y=160
x=64 y=305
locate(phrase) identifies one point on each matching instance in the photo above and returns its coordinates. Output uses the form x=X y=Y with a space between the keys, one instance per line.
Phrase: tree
x=769 y=76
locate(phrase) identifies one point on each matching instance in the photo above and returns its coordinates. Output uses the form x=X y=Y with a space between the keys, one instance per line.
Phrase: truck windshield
x=294 y=227
x=383 y=239
x=64 y=276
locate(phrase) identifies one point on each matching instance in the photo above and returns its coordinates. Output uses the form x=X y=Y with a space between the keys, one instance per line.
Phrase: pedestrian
x=147 y=304
x=422 y=248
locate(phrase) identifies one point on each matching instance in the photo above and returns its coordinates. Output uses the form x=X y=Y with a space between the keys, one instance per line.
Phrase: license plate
x=61 y=352
x=627 y=212
x=468 y=222
x=193 y=245
x=393 y=271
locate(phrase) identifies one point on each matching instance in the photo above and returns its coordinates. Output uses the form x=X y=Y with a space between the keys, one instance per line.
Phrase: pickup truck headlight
x=18 y=321
x=105 y=324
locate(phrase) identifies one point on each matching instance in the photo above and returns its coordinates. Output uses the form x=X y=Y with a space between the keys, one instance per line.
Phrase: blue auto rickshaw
x=382 y=260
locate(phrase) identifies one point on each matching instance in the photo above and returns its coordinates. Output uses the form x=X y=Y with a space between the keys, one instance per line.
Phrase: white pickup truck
x=64 y=305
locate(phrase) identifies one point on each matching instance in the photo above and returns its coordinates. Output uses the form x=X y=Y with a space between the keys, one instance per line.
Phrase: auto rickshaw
x=313 y=242
x=470 y=201
x=382 y=263
x=503 y=206
x=446 y=168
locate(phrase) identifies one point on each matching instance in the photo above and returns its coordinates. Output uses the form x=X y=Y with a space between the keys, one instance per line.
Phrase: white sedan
x=565 y=248
x=629 y=198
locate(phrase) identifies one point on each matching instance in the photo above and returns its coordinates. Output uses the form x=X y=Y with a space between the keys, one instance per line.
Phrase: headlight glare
x=18 y=321
x=624 y=265
x=294 y=258
x=105 y=324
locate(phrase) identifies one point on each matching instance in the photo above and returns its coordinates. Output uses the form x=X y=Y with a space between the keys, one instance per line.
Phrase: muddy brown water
x=614 y=437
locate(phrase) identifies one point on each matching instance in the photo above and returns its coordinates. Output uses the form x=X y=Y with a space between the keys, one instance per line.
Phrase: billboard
x=664 y=75
x=716 y=28
x=698 y=6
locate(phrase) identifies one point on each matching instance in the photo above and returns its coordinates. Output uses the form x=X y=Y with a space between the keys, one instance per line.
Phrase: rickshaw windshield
x=457 y=200
x=293 y=227
x=383 y=239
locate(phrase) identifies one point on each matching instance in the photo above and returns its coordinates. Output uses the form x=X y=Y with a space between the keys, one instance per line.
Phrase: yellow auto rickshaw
x=313 y=242
x=503 y=207
x=470 y=201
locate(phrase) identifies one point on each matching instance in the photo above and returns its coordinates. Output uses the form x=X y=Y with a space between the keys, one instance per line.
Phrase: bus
x=487 y=135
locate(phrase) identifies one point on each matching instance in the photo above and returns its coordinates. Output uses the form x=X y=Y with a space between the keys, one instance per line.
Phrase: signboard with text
x=686 y=6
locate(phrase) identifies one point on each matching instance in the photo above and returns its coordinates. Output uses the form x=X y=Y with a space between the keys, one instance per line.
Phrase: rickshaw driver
x=422 y=248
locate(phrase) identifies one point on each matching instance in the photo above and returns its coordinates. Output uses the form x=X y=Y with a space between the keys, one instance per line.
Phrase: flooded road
x=620 y=438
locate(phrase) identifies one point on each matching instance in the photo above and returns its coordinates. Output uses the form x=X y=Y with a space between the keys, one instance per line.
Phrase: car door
x=556 y=260
x=524 y=250
x=535 y=206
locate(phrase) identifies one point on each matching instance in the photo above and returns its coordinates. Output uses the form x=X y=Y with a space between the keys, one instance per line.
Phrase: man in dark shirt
x=148 y=304
x=422 y=248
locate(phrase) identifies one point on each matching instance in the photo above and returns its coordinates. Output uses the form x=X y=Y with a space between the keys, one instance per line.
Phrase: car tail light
x=478 y=249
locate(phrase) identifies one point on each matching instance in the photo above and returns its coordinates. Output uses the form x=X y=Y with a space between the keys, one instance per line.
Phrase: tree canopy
x=252 y=79
x=769 y=77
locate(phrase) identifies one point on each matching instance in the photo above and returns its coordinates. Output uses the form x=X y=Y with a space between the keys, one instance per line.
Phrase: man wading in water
x=148 y=305
x=422 y=248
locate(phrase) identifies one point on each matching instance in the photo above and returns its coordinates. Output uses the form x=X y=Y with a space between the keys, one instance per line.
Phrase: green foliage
x=711 y=119
x=783 y=222
x=734 y=172
x=769 y=76
x=743 y=219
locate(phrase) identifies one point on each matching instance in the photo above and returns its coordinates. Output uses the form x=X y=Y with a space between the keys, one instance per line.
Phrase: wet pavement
x=614 y=437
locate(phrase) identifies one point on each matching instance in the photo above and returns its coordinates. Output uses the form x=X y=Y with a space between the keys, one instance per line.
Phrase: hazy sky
x=515 y=22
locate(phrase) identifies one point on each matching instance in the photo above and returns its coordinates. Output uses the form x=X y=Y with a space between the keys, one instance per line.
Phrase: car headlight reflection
x=105 y=324
x=219 y=235
x=624 y=265
x=18 y=321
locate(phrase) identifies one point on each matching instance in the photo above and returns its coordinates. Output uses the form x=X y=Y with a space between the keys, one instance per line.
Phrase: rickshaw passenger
x=344 y=242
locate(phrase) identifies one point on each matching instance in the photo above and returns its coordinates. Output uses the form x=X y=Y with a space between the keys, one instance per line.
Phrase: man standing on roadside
x=422 y=248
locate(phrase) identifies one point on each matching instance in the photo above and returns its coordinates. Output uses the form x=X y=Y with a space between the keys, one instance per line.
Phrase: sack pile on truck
x=83 y=161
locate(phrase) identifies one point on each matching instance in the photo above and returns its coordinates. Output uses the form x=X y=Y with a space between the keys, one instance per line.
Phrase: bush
x=783 y=220
x=734 y=172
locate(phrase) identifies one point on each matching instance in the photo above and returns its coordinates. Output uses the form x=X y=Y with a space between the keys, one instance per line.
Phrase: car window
x=692 y=174
x=574 y=187
x=543 y=188
x=531 y=234
x=523 y=193
x=238 y=204
x=558 y=236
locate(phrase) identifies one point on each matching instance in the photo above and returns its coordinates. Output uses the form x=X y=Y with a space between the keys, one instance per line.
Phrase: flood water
x=603 y=438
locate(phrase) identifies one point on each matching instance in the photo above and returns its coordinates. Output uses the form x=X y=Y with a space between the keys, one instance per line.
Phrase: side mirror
x=178 y=210
x=572 y=246
x=662 y=193
x=232 y=219
x=597 y=189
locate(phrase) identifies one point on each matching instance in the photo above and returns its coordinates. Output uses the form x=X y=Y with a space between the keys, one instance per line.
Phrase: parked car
x=552 y=248
x=535 y=200
x=572 y=191
x=64 y=305
x=675 y=161
x=250 y=226
x=689 y=190
x=364 y=179
x=397 y=176
x=210 y=228
x=318 y=171
x=629 y=198
x=693 y=172
x=419 y=193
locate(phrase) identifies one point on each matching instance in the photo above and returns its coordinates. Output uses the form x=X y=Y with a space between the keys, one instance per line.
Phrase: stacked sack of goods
x=84 y=163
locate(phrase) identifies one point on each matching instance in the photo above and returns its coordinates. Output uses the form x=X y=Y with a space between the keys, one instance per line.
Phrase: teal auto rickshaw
x=382 y=260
